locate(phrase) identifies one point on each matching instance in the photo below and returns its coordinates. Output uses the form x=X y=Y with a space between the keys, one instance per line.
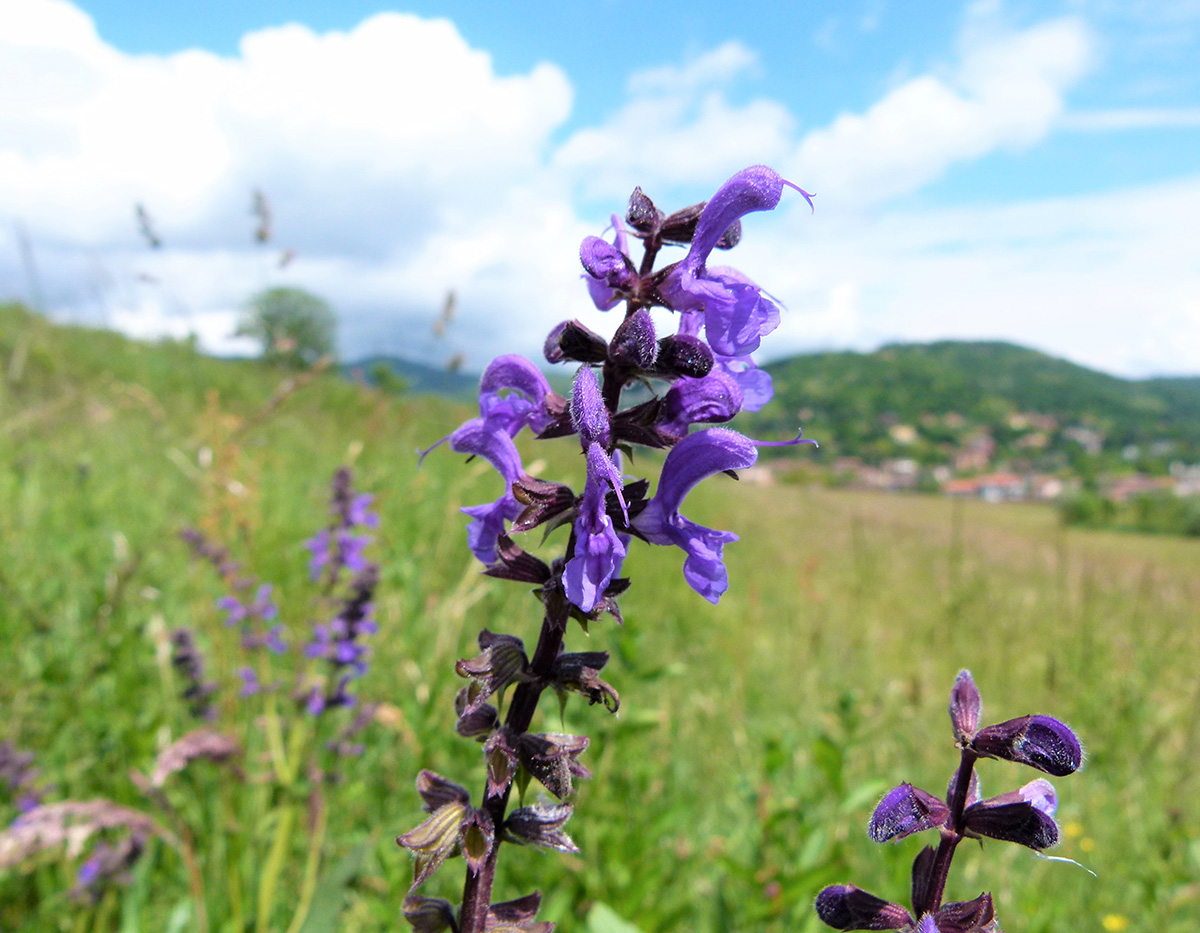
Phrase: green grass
x=754 y=737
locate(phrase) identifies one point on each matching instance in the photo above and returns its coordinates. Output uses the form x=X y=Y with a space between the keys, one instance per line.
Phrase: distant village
x=976 y=468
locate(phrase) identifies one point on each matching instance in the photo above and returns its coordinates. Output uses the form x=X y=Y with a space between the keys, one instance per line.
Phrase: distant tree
x=294 y=327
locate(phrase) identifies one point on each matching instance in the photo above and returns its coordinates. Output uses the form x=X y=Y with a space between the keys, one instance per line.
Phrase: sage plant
x=1024 y=816
x=701 y=372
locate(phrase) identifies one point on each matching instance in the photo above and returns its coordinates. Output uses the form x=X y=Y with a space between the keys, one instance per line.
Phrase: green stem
x=315 y=844
x=274 y=866
x=274 y=732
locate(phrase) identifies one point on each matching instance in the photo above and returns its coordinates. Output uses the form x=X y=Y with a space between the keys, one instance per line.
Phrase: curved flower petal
x=511 y=394
x=479 y=439
x=1041 y=742
x=736 y=313
x=693 y=459
x=489 y=524
x=696 y=457
x=716 y=397
x=757 y=188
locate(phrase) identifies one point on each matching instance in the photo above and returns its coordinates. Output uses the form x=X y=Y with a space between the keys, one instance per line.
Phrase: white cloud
x=1006 y=92
x=401 y=165
x=685 y=112
x=1109 y=280
x=372 y=145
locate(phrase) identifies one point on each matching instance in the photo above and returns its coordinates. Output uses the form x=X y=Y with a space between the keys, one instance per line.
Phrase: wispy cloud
x=1132 y=118
x=1005 y=92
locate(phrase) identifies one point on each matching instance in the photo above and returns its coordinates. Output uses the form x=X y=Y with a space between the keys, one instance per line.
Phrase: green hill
x=950 y=390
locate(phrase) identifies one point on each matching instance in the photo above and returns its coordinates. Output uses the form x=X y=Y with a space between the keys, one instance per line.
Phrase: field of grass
x=753 y=740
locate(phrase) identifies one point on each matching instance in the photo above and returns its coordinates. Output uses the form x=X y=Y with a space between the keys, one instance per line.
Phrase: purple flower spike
x=1041 y=742
x=905 y=810
x=696 y=457
x=845 y=907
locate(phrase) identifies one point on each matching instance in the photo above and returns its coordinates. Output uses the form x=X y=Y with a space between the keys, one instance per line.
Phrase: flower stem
x=274 y=867
x=320 y=818
x=952 y=833
x=477 y=890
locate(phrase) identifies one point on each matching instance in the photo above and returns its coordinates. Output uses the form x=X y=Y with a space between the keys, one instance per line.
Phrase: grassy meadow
x=754 y=737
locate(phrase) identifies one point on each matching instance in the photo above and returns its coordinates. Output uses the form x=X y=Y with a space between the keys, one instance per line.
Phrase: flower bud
x=589 y=416
x=684 y=355
x=513 y=563
x=1041 y=742
x=475 y=720
x=634 y=345
x=905 y=810
x=922 y=879
x=680 y=226
x=435 y=840
x=965 y=706
x=845 y=907
x=517 y=911
x=478 y=835
x=642 y=215
x=501 y=759
x=579 y=673
x=571 y=341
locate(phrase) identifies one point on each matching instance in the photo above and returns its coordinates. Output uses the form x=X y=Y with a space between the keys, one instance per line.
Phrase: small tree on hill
x=296 y=328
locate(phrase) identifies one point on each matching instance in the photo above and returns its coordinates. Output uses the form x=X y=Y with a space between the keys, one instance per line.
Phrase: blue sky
x=1023 y=171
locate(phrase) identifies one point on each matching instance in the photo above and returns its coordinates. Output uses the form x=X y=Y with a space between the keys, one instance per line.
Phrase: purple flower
x=715 y=398
x=736 y=312
x=610 y=274
x=497 y=447
x=693 y=459
x=513 y=395
x=238 y=612
x=338 y=643
x=319 y=545
x=250 y=682
x=1025 y=816
x=338 y=547
x=599 y=549
x=187 y=659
